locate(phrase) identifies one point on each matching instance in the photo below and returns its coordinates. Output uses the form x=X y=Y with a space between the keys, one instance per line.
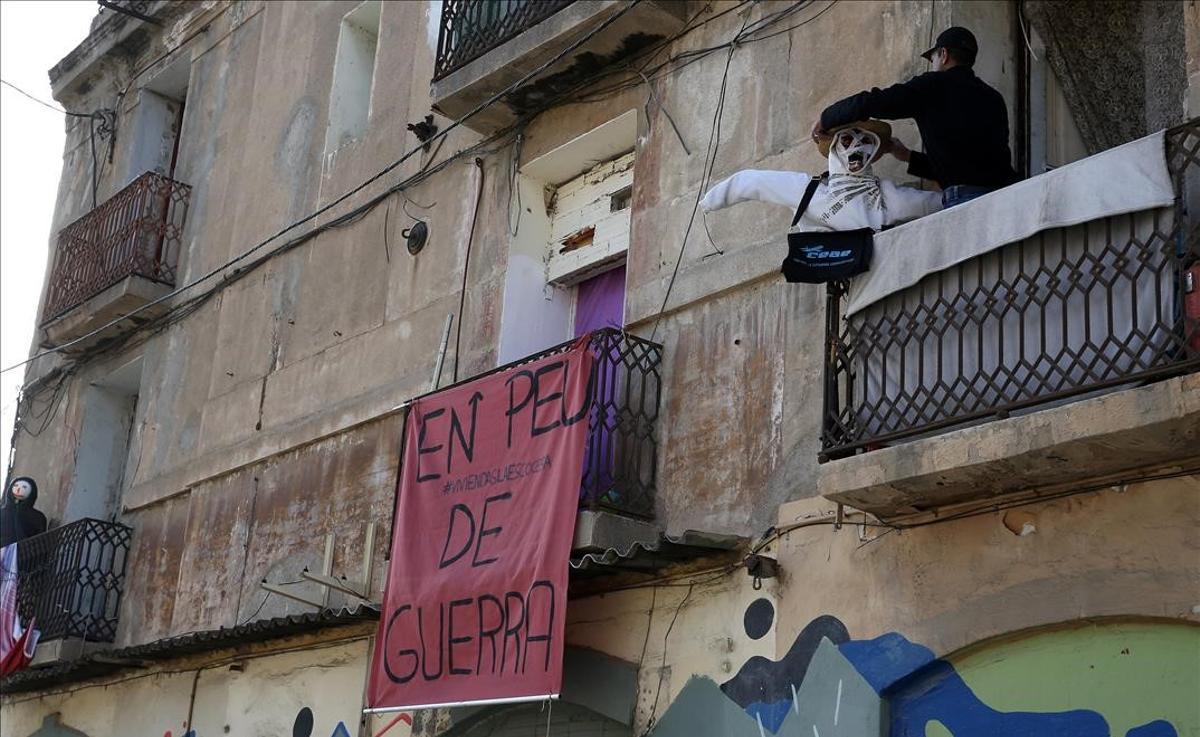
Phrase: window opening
x=566 y=259
x=353 y=75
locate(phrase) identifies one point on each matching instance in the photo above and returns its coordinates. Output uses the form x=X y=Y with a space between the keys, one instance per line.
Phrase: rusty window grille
x=1064 y=313
x=70 y=579
x=137 y=231
x=471 y=28
x=619 y=473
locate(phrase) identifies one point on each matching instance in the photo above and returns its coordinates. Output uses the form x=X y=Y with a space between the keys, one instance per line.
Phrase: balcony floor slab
x=65 y=650
x=122 y=298
x=1127 y=433
x=462 y=90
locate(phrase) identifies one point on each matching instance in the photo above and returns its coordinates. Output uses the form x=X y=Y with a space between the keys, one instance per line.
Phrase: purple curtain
x=600 y=303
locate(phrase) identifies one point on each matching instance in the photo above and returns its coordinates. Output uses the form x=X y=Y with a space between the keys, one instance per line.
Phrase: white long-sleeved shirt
x=843 y=202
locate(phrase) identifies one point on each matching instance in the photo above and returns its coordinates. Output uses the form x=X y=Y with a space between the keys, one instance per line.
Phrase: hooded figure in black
x=18 y=519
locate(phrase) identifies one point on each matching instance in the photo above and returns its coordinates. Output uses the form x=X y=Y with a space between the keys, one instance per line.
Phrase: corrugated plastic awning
x=636 y=557
x=644 y=557
x=110 y=661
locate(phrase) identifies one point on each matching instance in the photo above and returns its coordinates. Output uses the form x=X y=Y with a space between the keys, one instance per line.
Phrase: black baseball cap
x=955 y=37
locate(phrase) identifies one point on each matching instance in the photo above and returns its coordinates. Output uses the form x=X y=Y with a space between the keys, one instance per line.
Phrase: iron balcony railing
x=137 y=231
x=471 y=28
x=70 y=578
x=1063 y=313
x=619 y=473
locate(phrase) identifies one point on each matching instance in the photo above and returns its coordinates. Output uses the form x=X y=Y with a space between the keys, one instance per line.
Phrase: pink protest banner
x=475 y=607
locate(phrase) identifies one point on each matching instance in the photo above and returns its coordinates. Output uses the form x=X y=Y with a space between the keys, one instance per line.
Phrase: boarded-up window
x=589 y=221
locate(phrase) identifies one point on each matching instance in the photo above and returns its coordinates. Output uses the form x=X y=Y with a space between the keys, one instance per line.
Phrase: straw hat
x=878 y=127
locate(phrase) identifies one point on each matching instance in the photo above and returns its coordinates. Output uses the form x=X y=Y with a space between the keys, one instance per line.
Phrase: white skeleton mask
x=21 y=490
x=852 y=152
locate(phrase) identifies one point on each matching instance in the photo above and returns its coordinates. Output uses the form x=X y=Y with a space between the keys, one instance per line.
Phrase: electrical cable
x=178 y=312
x=651 y=96
x=663 y=667
x=266 y=595
x=514 y=183
x=634 y=79
x=188 y=307
x=706 y=171
x=696 y=55
x=342 y=198
x=43 y=103
x=387 y=248
x=169 y=52
x=95 y=170
x=234 y=658
x=649 y=626
x=185 y=306
x=773 y=534
x=789 y=29
x=462 y=292
x=1025 y=31
x=92 y=118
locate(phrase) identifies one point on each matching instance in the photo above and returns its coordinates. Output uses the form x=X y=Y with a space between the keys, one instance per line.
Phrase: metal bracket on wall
x=360 y=589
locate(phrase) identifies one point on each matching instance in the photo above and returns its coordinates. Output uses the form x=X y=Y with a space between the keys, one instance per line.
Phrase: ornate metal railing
x=619 y=465
x=70 y=579
x=619 y=471
x=1063 y=313
x=471 y=28
x=137 y=231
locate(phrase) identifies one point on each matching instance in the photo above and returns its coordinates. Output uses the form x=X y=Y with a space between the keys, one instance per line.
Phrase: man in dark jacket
x=963 y=121
x=18 y=519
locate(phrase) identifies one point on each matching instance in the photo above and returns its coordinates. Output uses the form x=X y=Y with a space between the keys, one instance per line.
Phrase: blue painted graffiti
x=764 y=687
x=934 y=691
x=918 y=688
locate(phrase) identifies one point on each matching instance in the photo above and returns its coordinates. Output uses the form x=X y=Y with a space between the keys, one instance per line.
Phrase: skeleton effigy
x=849 y=196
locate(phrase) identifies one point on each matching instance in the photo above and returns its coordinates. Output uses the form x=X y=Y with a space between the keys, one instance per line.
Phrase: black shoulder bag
x=819 y=258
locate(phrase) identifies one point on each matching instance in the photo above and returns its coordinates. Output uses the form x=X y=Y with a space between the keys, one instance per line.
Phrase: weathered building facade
x=284 y=220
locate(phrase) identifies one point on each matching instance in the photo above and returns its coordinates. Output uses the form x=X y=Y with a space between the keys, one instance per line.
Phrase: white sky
x=34 y=35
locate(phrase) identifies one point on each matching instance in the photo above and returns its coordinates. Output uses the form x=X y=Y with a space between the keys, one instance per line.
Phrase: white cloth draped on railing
x=1125 y=179
x=1055 y=284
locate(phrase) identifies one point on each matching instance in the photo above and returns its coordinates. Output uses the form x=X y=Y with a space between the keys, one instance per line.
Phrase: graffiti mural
x=765 y=688
x=1090 y=680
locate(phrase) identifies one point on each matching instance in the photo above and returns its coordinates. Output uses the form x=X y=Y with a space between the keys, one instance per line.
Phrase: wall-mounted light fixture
x=416 y=236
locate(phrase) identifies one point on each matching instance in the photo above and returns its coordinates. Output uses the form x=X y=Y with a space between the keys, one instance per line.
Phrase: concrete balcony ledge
x=122 y=298
x=1121 y=434
x=465 y=88
x=56 y=652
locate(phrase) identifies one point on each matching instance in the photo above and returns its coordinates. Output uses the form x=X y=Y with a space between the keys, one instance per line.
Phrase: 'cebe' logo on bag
x=819 y=252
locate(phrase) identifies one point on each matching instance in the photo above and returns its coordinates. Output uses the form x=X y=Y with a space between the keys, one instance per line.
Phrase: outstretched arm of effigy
x=904 y=203
x=777 y=187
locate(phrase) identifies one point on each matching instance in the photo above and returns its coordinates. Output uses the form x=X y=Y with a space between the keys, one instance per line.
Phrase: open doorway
x=158 y=122
x=105 y=443
x=570 y=234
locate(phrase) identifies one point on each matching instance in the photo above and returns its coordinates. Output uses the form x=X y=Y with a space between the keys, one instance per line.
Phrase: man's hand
x=899 y=150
